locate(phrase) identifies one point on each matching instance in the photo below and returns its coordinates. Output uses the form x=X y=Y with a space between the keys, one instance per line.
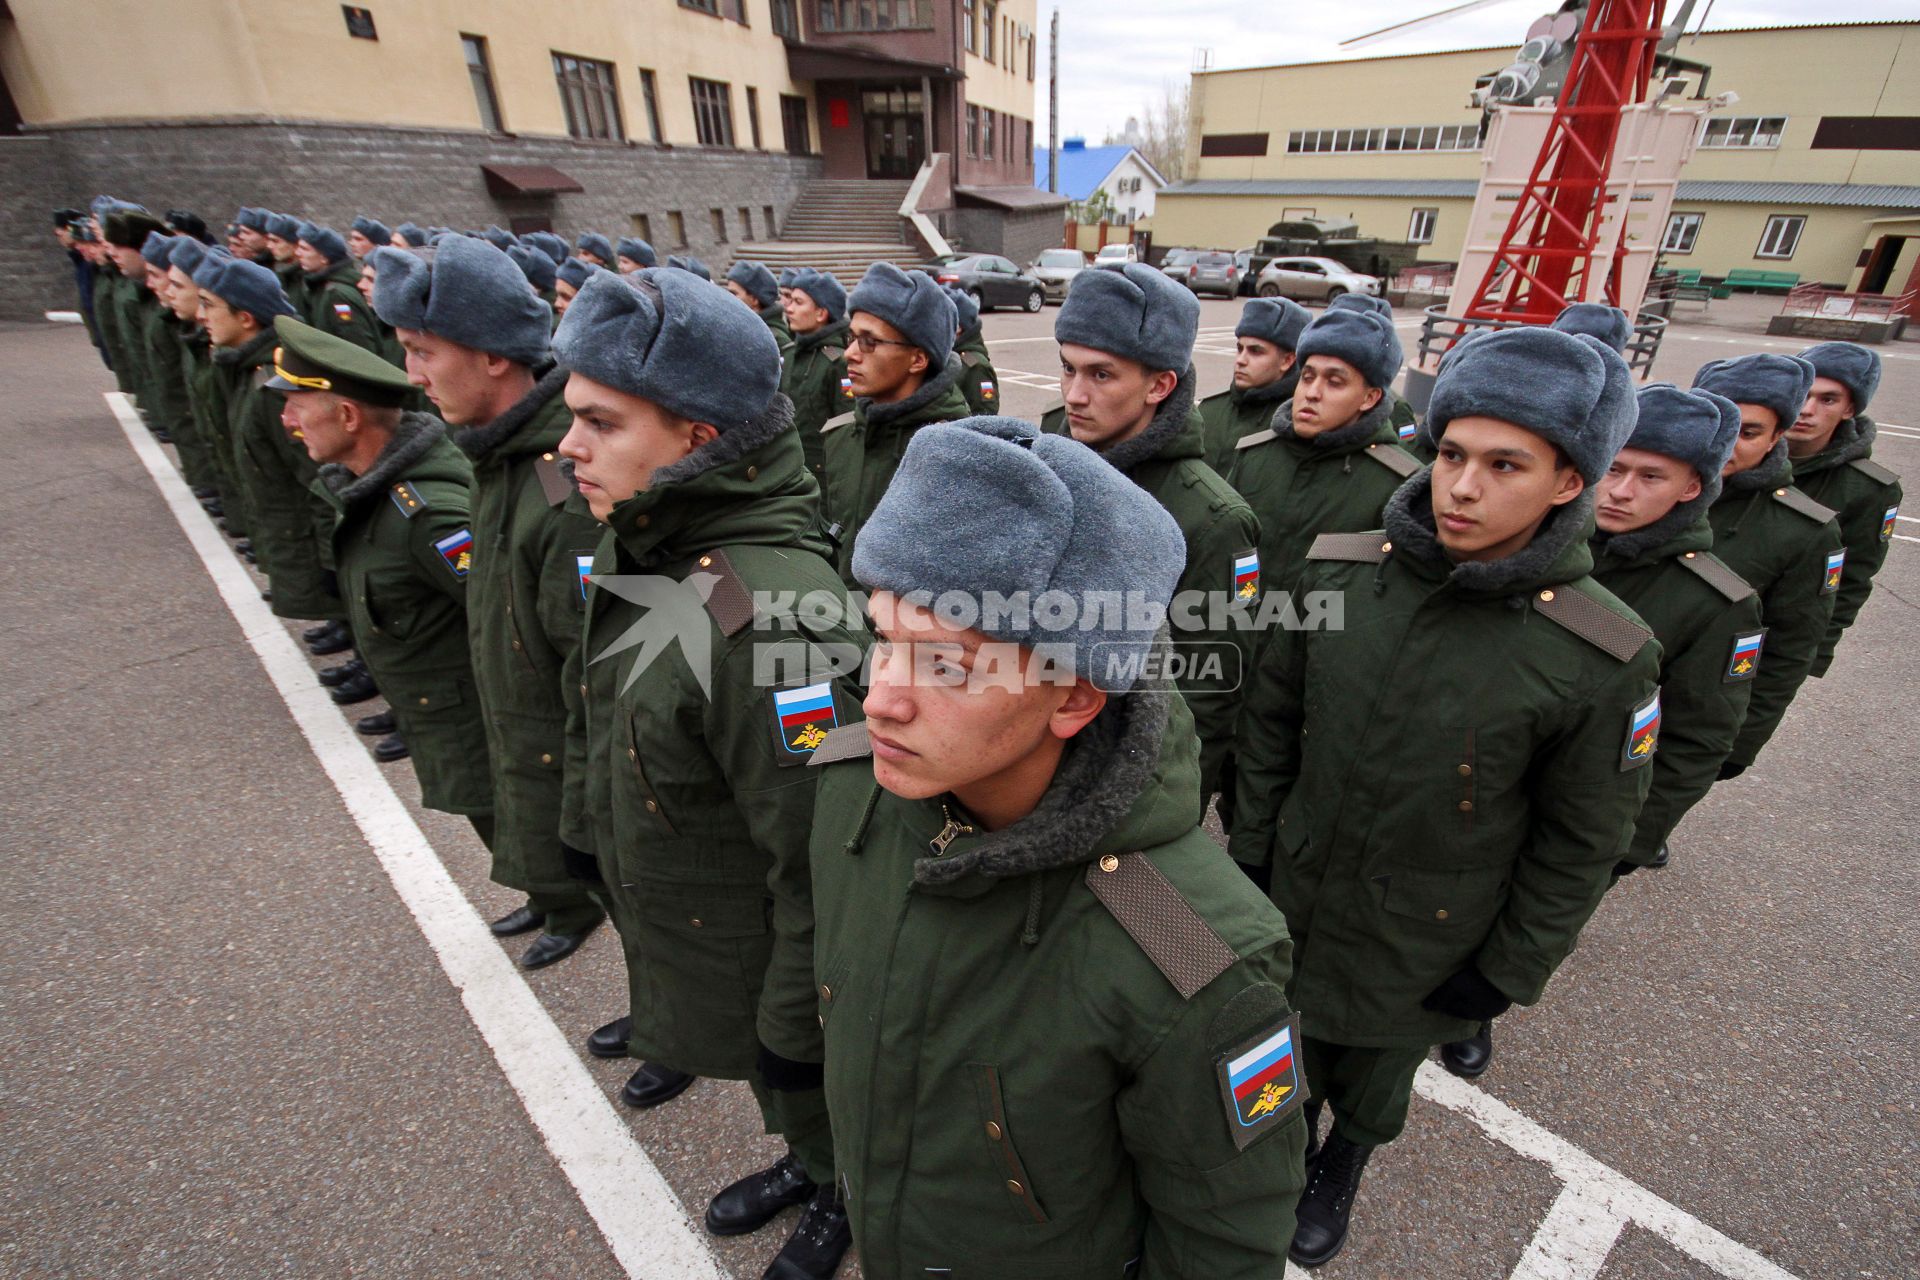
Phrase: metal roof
x=1844 y=194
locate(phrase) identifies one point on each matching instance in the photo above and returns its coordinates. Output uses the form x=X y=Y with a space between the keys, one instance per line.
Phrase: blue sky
x=1117 y=54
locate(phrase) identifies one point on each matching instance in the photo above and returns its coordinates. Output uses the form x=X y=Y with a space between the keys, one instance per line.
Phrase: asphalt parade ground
x=252 y=1024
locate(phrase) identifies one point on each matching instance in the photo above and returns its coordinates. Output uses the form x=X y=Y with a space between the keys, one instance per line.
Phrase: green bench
x=1762 y=281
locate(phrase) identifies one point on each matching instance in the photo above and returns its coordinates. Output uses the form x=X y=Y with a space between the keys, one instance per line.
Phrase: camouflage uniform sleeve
x=1585 y=801
x=1267 y=744
x=1866 y=551
x=1702 y=701
x=1216 y=1208
x=1215 y=702
x=1796 y=610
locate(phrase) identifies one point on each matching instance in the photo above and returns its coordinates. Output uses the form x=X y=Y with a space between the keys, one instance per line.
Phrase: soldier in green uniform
x=1443 y=784
x=567 y=279
x=1776 y=537
x=701 y=710
x=1831 y=446
x=365 y=234
x=1057 y=1036
x=538 y=268
x=1399 y=412
x=754 y=285
x=283 y=244
x=171 y=406
x=193 y=354
x=814 y=376
x=128 y=302
x=1651 y=549
x=477 y=343
x=634 y=254
x=1265 y=372
x=330 y=278
x=594 y=249
x=236 y=501
x=402 y=548
x=252 y=224
x=903 y=375
x=978 y=381
x=1127 y=385
x=285 y=519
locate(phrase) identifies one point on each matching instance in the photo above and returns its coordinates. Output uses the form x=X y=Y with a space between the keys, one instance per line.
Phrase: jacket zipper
x=949 y=833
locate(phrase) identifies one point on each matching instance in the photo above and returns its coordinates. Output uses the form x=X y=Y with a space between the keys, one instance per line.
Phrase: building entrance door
x=896 y=132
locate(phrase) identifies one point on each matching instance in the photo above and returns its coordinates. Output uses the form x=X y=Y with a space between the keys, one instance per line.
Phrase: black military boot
x=757 y=1199
x=1320 y=1223
x=611 y=1039
x=818 y=1243
x=334 y=677
x=390 y=748
x=333 y=638
x=377 y=725
x=1469 y=1058
x=355 y=688
x=654 y=1084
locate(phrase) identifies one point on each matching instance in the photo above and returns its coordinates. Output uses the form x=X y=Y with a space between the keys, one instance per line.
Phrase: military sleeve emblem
x=1261 y=1082
x=341 y=311
x=1407 y=431
x=583 y=565
x=1836 y=564
x=1887 y=523
x=802 y=720
x=1246 y=576
x=1643 y=734
x=987 y=389
x=1744 y=664
x=456 y=550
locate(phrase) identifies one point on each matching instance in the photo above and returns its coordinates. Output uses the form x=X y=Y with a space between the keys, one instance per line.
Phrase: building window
x=989 y=27
x=1683 y=231
x=987 y=115
x=973 y=130
x=786 y=19
x=642 y=226
x=793 y=123
x=746 y=222
x=1029 y=151
x=769 y=222
x=1032 y=43
x=677 y=227
x=1743 y=131
x=719 y=224
x=1430 y=137
x=480 y=71
x=592 y=101
x=753 y=116
x=733 y=10
x=875 y=15
x=1781 y=237
x=650 y=94
x=967 y=38
x=1419 y=226
x=712 y=112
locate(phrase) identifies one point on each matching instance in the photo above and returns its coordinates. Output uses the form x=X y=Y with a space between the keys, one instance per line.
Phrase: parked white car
x=1121 y=252
x=1313 y=280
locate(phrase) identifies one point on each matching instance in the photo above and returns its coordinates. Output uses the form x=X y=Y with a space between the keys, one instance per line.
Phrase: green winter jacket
x=1023 y=1055
x=293 y=283
x=863 y=449
x=333 y=304
x=168 y=406
x=130 y=304
x=1238 y=412
x=775 y=317
x=978 y=382
x=1221 y=531
x=1866 y=495
x=106 y=320
x=1448 y=778
x=287 y=521
x=1707 y=619
x=1336 y=482
x=403 y=549
x=204 y=463
x=697 y=800
x=525 y=599
x=1788 y=546
x=814 y=378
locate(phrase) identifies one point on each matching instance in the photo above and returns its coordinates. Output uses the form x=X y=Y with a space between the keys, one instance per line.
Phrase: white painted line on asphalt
x=1904 y=538
x=1758 y=340
x=1594 y=1182
x=65 y=317
x=643 y=1221
x=1573 y=1241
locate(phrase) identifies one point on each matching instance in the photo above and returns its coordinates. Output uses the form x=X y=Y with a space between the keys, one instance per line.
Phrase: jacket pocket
x=998 y=1135
x=1446 y=899
x=649 y=798
x=392 y=603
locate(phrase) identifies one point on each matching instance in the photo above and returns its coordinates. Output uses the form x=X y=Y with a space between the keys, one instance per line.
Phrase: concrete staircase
x=840 y=226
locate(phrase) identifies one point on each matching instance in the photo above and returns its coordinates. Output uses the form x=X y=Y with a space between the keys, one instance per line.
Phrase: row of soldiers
x=964 y=936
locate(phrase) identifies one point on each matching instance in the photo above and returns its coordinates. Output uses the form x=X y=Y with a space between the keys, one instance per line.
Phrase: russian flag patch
x=802 y=720
x=1744 y=664
x=1836 y=564
x=1261 y=1082
x=342 y=311
x=1887 y=524
x=1246 y=575
x=457 y=550
x=1408 y=430
x=1643 y=734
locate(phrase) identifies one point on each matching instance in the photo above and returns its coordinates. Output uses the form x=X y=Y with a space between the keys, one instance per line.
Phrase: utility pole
x=1053 y=105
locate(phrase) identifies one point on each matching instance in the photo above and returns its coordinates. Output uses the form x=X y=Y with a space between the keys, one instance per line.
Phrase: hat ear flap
x=402 y=284
x=1617 y=409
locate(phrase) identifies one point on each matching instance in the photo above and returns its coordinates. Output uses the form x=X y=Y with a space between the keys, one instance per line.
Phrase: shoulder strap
x=729 y=603
x=1714 y=572
x=409 y=499
x=834 y=353
x=1394 y=459
x=1874 y=471
x=834 y=424
x=1592 y=621
x=1361 y=548
x=1258 y=437
x=972 y=359
x=553 y=481
x=1182 y=946
x=1794 y=500
x=848 y=742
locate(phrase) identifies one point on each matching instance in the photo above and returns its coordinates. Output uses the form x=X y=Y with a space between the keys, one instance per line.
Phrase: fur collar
x=1852 y=440
x=1770 y=472
x=819 y=337
x=1279 y=391
x=1169 y=420
x=1107 y=768
x=1355 y=435
x=249 y=355
x=478 y=442
x=413 y=437
x=1409 y=522
x=729 y=445
x=879 y=415
x=1635 y=543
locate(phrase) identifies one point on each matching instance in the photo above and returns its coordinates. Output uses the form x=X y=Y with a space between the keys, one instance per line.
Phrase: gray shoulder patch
x=555 y=484
x=972 y=359
x=1258 y=437
x=729 y=603
x=1714 y=572
x=1874 y=471
x=1794 y=500
x=1394 y=459
x=1361 y=548
x=834 y=353
x=848 y=742
x=834 y=424
x=1182 y=946
x=1618 y=637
